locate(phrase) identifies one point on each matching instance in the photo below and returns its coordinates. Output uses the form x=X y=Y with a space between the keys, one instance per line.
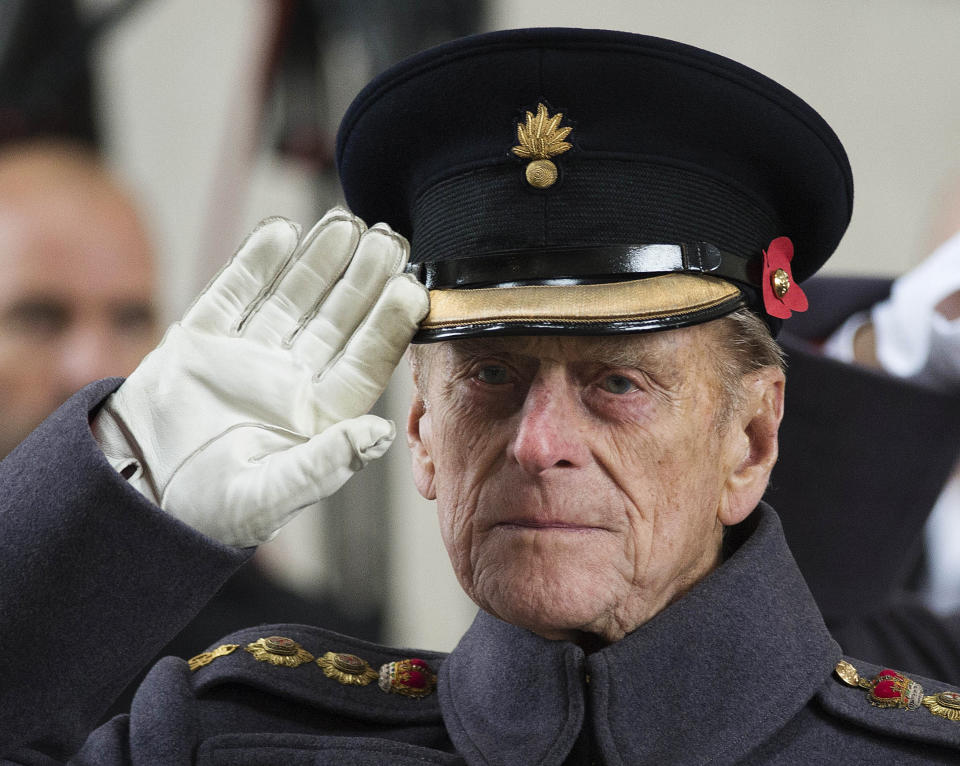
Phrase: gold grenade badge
x=541 y=138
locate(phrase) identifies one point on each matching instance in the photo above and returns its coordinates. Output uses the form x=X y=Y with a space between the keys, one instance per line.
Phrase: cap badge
x=205 y=658
x=781 y=294
x=347 y=669
x=278 y=650
x=541 y=138
x=411 y=678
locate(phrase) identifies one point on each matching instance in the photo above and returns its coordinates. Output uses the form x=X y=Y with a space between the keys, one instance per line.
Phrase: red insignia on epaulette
x=411 y=678
x=892 y=689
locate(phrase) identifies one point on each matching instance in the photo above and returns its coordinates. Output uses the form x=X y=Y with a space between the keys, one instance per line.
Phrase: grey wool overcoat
x=95 y=579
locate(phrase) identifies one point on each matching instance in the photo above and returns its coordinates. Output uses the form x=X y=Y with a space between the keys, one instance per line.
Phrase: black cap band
x=579 y=265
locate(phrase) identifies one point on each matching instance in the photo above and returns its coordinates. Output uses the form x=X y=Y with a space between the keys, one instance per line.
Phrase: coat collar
x=712 y=676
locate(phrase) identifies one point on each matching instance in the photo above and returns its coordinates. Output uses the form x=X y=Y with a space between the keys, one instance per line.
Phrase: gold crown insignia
x=541 y=138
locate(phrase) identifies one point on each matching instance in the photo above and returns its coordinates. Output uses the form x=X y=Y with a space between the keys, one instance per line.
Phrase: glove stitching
x=396 y=266
x=265 y=292
x=264 y=223
x=401 y=259
x=288 y=340
x=319 y=376
x=295 y=255
x=216 y=437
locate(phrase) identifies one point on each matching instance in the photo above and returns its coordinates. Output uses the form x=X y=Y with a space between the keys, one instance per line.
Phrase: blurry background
x=223 y=112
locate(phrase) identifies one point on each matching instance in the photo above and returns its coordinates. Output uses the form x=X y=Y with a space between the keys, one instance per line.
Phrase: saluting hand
x=254 y=405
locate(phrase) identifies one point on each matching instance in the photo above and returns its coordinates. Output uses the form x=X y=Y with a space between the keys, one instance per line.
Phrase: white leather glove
x=253 y=406
x=913 y=340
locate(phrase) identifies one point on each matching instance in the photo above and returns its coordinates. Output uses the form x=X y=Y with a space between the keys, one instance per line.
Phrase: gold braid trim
x=205 y=658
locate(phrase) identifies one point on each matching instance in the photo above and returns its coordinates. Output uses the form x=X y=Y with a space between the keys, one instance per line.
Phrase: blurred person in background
x=77 y=283
x=874 y=413
x=76 y=280
x=77 y=277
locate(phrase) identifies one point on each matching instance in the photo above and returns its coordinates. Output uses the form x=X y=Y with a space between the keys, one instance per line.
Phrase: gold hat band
x=637 y=299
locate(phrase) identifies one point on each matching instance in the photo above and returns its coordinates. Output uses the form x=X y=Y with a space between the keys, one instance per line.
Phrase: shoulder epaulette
x=324 y=669
x=893 y=703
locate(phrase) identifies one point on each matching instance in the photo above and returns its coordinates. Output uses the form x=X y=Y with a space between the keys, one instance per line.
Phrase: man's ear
x=419 y=440
x=754 y=444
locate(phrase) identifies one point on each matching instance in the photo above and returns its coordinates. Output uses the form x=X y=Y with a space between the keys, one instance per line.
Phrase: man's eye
x=617 y=384
x=493 y=375
x=44 y=318
x=134 y=318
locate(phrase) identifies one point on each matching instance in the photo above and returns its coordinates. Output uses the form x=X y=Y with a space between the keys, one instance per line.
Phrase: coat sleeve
x=95 y=580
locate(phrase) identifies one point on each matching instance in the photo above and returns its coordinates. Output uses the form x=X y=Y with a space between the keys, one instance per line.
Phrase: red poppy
x=781 y=295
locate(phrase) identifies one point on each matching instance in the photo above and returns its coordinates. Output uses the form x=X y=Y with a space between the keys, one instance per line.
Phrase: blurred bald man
x=76 y=281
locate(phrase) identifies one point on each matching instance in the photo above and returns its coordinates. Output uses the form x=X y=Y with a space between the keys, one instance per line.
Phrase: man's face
x=580 y=482
x=76 y=302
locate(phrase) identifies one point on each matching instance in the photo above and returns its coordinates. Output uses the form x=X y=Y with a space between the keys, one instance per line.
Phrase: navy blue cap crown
x=676 y=161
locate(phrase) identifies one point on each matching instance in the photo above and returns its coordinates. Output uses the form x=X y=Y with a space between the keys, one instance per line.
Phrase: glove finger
x=319 y=467
x=245 y=279
x=380 y=255
x=363 y=370
x=295 y=479
x=313 y=271
x=244 y=486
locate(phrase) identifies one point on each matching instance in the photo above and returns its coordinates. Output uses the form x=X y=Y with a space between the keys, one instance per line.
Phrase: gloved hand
x=253 y=406
x=913 y=340
x=911 y=336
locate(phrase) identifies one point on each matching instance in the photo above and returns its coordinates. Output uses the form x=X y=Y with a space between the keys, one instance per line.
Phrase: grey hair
x=744 y=345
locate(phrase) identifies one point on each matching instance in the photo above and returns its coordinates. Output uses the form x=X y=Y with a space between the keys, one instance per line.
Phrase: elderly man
x=602 y=222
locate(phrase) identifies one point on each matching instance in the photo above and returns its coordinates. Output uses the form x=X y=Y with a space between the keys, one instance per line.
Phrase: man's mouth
x=546 y=525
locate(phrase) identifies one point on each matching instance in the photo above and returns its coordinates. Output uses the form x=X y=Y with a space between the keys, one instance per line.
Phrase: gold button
x=278 y=650
x=349 y=663
x=780 y=281
x=347 y=669
x=285 y=647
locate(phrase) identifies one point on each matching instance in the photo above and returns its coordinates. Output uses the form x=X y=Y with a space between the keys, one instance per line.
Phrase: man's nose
x=550 y=432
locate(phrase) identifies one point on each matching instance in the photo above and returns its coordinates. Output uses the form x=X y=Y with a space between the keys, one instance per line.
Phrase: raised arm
x=252 y=409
